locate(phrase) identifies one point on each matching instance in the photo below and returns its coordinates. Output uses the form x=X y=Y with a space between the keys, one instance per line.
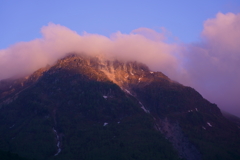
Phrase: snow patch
x=145 y=110
x=128 y=92
x=105 y=97
x=209 y=124
x=59 y=149
x=58 y=142
x=105 y=124
x=193 y=110
x=139 y=79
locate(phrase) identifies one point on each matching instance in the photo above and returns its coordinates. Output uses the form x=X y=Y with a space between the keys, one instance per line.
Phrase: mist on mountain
x=91 y=107
x=209 y=65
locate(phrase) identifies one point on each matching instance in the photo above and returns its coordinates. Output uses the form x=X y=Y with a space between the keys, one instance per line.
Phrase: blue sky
x=22 y=20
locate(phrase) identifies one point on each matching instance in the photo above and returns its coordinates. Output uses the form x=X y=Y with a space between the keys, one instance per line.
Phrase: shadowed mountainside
x=92 y=108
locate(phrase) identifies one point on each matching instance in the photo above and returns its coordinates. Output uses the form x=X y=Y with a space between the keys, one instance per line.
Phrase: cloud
x=150 y=34
x=144 y=45
x=211 y=66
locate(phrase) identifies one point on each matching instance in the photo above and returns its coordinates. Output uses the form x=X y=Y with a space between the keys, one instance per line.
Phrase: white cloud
x=210 y=66
x=213 y=64
x=26 y=57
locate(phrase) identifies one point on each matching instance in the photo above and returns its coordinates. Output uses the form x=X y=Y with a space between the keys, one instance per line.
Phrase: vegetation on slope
x=77 y=104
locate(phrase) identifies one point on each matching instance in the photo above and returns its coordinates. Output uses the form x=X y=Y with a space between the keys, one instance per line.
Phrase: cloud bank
x=144 y=45
x=213 y=64
x=210 y=65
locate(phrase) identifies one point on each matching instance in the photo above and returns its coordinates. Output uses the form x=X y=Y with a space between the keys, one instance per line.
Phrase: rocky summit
x=92 y=108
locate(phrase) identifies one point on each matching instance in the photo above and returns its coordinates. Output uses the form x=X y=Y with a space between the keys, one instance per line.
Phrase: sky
x=196 y=43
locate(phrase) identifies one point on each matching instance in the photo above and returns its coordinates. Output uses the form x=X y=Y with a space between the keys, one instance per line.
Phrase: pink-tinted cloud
x=212 y=65
x=150 y=34
x=26 y=57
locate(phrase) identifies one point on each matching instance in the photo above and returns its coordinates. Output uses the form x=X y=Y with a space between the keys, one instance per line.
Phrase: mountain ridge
x=87 y=85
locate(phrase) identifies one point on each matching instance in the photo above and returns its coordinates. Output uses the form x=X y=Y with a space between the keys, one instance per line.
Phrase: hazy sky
x=194 y=42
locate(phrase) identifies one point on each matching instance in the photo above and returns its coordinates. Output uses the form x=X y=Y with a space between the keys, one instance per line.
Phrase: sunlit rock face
x=97 y=108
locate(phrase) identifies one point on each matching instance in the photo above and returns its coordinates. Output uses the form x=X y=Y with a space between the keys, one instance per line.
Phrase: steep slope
x=93 y=108
x=73 y=111
x=182 y=110
x=191 y=123
x=232 y=118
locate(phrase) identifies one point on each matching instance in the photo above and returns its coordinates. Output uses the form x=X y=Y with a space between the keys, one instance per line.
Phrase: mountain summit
x=93 y=108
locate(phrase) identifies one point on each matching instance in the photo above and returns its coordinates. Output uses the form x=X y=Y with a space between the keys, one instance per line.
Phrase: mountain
x=93 y=108
x=232 y=118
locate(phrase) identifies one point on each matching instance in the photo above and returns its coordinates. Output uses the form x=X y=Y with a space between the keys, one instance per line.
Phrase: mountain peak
x=83 y=106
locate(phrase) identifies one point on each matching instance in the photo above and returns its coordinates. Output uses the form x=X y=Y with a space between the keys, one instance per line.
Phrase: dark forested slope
x=90 y=108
